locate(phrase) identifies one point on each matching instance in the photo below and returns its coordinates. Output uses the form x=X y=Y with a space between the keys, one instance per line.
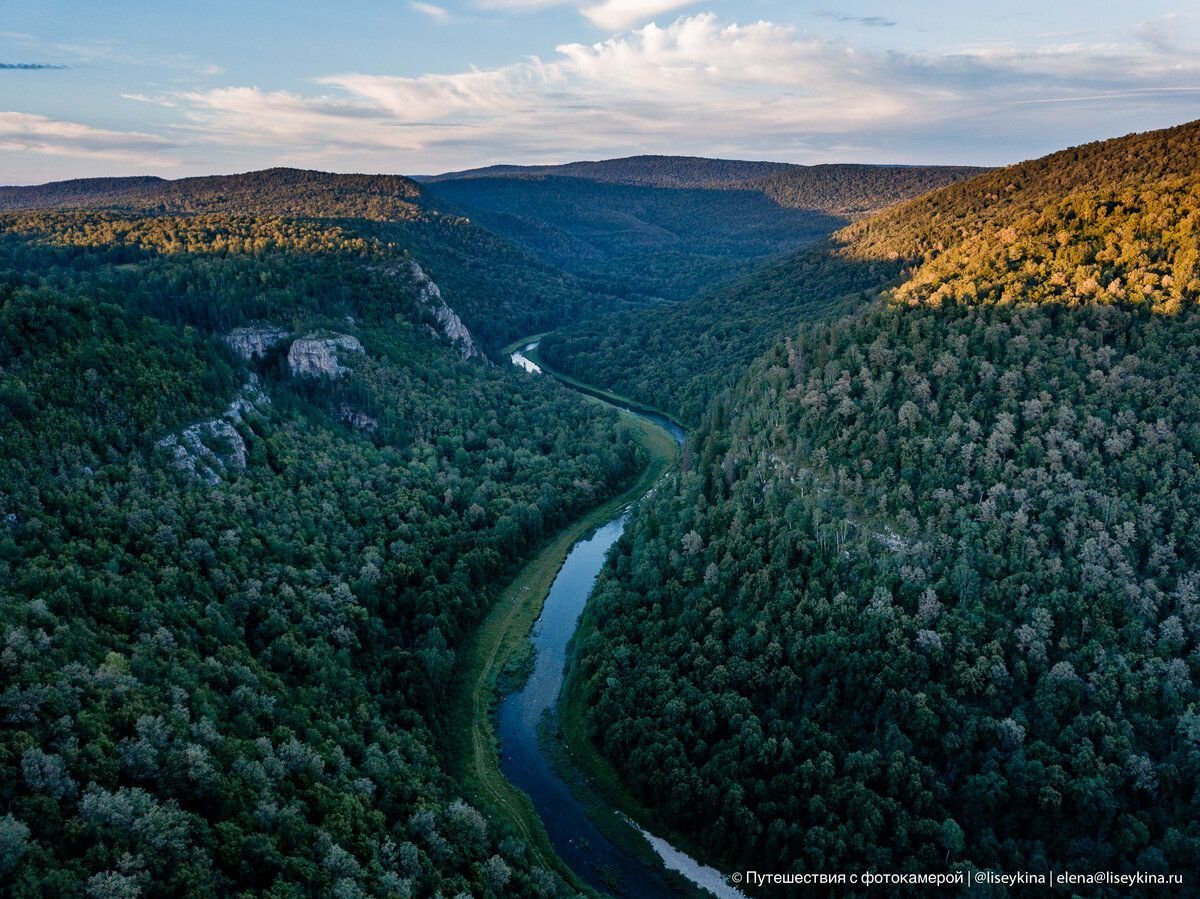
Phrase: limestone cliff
x=255 y=341
x=321 y=356
x=209 y=449
x=451 y=325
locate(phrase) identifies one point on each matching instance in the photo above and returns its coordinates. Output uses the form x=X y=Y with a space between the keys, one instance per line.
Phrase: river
x=597 y=860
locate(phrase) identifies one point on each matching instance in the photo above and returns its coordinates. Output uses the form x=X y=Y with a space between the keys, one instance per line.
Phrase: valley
x=352 y=544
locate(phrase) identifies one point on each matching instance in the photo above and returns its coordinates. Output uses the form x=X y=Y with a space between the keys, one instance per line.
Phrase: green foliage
x=678 y=357
x=272 y=192
x=927 y=592
x=940 y=567
x=1106 y=222
x=668 y=227
x=500 y=291
x=228 y=686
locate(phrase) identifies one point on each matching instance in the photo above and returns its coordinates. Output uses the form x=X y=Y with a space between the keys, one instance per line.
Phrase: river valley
x=526 y=717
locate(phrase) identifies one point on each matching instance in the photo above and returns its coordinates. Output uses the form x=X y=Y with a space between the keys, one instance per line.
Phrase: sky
x=177 y=87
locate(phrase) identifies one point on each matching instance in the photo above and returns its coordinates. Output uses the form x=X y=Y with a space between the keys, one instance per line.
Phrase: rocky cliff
x=448 y=321
x=209 y=449
x=255 y=341
x=321 y=356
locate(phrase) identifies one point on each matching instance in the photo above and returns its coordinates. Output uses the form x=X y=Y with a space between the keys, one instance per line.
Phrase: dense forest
x=653 y=227
x=837 y=189
x=254 y=497
x=678 y=357
x=501 y=292
x=925 y=595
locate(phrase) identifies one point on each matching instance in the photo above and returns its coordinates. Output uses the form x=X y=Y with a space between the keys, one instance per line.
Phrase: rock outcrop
x=255 y=341
x=357 y=419
x=209 y=449
x=320 y=357
x=448 y=321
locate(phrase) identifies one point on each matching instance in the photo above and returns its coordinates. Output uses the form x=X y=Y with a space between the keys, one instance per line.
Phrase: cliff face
x=317 y=357
x=448 y=321
x=209 y=449
x=255 y=341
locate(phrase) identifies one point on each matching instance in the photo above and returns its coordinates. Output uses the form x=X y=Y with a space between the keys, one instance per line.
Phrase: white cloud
x=617 y=15
x=437 y=13
x=610 y=15
x=27 y=133
x=700 y=85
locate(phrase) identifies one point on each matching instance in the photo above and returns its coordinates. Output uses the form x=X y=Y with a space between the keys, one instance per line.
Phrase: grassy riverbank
x=474 y=758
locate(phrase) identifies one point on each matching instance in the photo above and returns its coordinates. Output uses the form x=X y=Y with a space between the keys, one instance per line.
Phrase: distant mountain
x=1083 y=225
x=278 y=191
x=652 y=171
x=838 y=189
x=668 y=227
x=500 y=290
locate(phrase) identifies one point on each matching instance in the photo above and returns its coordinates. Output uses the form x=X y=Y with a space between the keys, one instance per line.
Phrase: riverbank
x=475 y=761
x=528 y=348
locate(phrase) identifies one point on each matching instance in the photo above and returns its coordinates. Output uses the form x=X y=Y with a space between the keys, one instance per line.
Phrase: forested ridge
x=502 y=292
x=925 y=595
x=662 y=227
x=836 y=189
x=233 y=588
x=1104 y=222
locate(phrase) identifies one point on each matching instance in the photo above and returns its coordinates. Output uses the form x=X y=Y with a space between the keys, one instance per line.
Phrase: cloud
x=870 y=21
x=609 y=15
x=437 y=13
x=28 y=133
x=656 y=85
x=617 y=15
x=29 y=66
x=701 y=85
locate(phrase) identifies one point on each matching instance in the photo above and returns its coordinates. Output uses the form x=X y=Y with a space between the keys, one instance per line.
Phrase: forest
x=653 y=228
x=233 y=589
x=924 y=596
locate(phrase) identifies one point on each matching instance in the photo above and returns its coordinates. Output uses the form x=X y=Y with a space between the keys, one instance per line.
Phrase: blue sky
x=180 y=88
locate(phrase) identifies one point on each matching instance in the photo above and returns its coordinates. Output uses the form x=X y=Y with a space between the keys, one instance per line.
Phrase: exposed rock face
x=210 y=448
x=449 y=322
x=357 y=419
x=255 y=341
x=318 y=357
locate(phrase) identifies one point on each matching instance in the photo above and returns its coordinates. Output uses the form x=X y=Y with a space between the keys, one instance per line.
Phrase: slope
x=499 y=290
x=256 y=492
x=669 y=227
x=925 y=598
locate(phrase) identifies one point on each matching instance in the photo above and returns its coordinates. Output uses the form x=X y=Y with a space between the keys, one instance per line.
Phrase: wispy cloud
x=656 y=85
x=696 y=84
x=617 y=15
x=27 y=133
x=28 y=66
x=437 y=13
x=870 y=21
x=610 y=15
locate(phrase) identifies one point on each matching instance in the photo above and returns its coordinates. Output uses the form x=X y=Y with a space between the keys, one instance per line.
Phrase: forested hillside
x=500 y=291
x=837 y=189
x=926 y=595
x=661 y=227
x=678 y=357
x=258 y=485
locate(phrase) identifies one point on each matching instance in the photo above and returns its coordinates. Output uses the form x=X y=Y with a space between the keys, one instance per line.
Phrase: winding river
x=597 y=860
